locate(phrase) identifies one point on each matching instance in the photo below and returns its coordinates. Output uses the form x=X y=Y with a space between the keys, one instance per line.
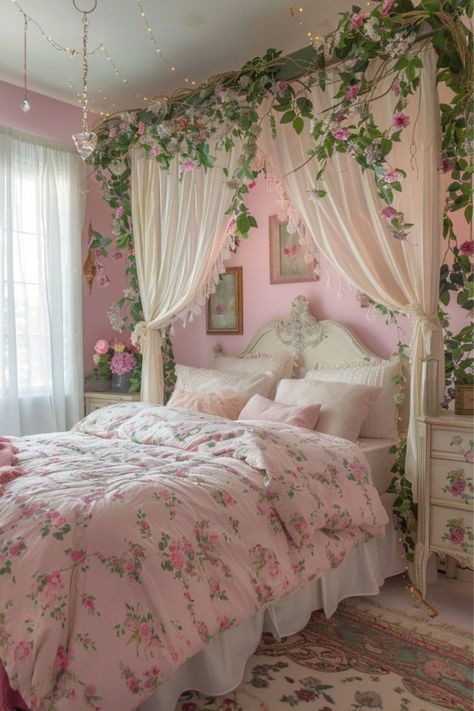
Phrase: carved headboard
x=315 y=343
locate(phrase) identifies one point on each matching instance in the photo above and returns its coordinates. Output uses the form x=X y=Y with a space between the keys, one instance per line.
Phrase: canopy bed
x=149 y=467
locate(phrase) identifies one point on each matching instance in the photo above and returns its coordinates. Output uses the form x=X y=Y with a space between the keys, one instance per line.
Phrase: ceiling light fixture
x=85 y=141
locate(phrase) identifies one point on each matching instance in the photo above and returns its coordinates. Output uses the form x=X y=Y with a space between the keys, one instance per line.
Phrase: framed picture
x=464 y=399
x=224 y=306
x=287 y=262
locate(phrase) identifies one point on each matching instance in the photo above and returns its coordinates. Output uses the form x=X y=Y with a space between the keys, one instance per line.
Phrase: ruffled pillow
x=213 y=381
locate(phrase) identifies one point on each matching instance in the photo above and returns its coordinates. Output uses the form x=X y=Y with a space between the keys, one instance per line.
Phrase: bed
x=145 y=552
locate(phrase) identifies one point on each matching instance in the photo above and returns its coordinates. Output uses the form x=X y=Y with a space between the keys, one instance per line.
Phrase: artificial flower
x=388 y=212
x=447 y=165
x=188 y=164
x=392 y=176
x=103 y=281
x=155 y=150
x=121 y=363
x=141 y=128
x=352 y=92
x=396 y=87
x=117 y=255
x=119 y=212
x=357 y=20
x=341 y=134
x=282 y=86
x=119 y=347
x=112 y=132
x=387 y=7
x=467 y=248
x=102 y=345
x=400 y=120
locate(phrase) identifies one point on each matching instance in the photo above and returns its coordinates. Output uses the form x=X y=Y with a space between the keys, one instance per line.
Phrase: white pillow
x=280 y=364
x=207 y=380
x=344 y=407
x=382 y=418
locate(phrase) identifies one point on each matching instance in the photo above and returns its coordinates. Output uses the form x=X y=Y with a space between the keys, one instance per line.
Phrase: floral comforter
x=132 y=540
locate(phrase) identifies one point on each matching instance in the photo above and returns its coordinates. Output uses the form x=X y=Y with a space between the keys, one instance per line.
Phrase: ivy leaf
x=288 y=117
x=298 y=124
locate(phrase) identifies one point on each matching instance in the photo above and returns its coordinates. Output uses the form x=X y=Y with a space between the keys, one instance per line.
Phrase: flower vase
x=120 y=382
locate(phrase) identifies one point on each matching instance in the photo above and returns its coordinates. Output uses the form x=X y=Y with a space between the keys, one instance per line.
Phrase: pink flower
x=456 y=535
x=457 y=487
x=352 y=92
x=119 y=212
x=77 y=556
x=341 y=134
x=181 y=123
x=22 y=651
x=141 y=128
x=117 y=255
x=469 y=457
x=88 y=601
x=145 y=630
x=357 y=20
x=358 y=470
x=121 y=363
x=340 y=117
x=188 y=164
x=282 y=86
x=400 y=120
x=102 y=346
x=103 y=281
x=155 y=150
x=90 y=690
x=252 y=184
x=387 y=6
x=396 y=87
x=467 y=249
x=446 y=165
x=388 y=212
x=392 y=176
x=113 y=132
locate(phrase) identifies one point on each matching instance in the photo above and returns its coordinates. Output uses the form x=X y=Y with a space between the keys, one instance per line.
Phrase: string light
x=25 y=104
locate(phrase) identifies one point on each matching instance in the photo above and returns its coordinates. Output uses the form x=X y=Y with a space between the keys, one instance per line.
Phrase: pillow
x=260 y=408
x=224 y=403
x=382 y=418
x=344 y=407
x=280 y=364
x=206 y=380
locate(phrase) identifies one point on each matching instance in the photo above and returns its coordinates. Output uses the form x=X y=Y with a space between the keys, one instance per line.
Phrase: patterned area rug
x=364 y=657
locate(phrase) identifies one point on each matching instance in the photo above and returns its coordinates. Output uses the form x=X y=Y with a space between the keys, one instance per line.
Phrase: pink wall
x=54 y=119
x=263 y=301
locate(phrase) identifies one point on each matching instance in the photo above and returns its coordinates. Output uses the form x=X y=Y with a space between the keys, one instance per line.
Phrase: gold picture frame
x=225 y=305
x=464 y=399
x=287 y=258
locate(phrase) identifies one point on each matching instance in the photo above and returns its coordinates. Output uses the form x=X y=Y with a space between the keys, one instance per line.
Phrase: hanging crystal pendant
x=25 y=105
x=85 y=143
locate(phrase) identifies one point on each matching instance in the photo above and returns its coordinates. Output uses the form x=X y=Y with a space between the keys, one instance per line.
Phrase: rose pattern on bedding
x=130 y=542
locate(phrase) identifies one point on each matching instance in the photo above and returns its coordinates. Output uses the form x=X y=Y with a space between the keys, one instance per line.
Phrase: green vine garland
x=225 y=109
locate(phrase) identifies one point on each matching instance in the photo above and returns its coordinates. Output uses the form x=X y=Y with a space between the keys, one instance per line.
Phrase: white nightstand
x=95 y=400
x=445 y=491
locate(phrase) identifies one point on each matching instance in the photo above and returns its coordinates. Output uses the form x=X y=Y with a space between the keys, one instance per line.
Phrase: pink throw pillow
x=223 y=403
x=260 y=408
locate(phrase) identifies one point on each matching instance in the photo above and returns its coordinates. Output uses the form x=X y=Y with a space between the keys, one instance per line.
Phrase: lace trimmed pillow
x=208 y=380
x=381 y=420
x=224 y=403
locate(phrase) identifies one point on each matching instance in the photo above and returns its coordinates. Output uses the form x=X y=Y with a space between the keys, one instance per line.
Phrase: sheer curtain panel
x=347 y=226
x=179 y=228
x=40 y=297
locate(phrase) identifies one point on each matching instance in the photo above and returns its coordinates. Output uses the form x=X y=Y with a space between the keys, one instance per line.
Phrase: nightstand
x=445 y=491
x=95 y=400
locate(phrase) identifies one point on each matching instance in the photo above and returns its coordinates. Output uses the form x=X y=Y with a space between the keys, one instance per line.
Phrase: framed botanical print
x=287 y=257
x=224 y=306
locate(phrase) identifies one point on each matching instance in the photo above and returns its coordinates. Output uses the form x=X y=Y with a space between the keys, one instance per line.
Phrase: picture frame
x=464 y=399
x=287 y=258
x=225 y=305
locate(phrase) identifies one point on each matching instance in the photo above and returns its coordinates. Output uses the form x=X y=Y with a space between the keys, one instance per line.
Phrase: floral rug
x=364 y=657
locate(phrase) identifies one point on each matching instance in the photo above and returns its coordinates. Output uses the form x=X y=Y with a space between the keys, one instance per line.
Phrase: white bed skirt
x=220 y=666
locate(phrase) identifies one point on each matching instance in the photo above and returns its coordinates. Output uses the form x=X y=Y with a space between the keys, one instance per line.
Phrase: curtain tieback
x=428 y=324
x=140 y=333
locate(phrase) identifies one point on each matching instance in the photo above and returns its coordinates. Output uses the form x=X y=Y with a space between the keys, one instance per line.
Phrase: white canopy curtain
x=41 y=215
x=179 y=228
x=347 y=227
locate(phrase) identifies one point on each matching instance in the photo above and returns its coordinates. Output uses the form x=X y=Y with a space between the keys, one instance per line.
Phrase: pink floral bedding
x=131 y=541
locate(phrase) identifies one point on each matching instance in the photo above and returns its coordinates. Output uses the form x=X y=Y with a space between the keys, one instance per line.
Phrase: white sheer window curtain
x=41 y=216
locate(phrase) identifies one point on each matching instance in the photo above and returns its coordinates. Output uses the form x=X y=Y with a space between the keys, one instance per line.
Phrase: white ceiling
x=198 y=37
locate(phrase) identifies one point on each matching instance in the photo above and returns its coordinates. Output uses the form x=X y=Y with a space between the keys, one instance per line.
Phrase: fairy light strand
x=152 y=37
